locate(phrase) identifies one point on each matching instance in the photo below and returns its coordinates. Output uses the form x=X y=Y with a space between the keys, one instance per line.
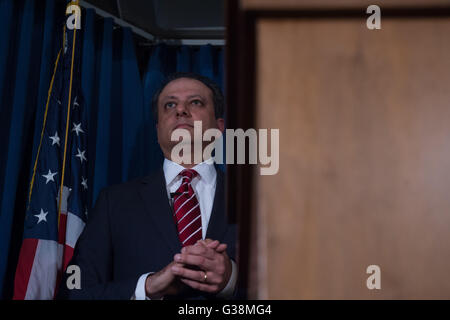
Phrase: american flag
x=53 y=222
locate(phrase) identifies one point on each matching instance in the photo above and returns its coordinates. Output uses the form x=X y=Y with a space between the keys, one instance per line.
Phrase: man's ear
x=220 y=124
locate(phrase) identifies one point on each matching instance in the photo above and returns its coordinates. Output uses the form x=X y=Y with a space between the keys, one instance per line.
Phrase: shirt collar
x=205 y=169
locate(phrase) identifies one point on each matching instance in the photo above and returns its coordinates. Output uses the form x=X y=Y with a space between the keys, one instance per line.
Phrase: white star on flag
x=42 y=216
x=77 y=128
x=55 y=139
x=49 y=176
x=81 y=155
x=84 y=183
x=75 y=103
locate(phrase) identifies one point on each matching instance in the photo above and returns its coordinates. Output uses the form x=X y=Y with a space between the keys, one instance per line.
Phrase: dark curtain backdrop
x=117 y=90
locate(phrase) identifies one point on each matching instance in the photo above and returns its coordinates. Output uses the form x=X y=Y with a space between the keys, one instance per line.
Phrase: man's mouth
x=183 y=126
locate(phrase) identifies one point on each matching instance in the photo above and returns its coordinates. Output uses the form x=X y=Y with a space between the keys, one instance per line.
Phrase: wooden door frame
x=241 y=76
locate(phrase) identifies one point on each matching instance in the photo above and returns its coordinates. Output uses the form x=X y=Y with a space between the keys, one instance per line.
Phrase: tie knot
x=189 y=173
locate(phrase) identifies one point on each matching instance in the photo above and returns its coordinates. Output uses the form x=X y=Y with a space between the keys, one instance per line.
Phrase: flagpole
x=67 y=121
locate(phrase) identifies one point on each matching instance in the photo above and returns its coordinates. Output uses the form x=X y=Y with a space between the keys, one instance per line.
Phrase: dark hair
x=218 y=99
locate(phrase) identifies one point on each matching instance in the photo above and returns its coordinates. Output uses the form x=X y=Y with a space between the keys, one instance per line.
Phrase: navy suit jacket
x=131 y=232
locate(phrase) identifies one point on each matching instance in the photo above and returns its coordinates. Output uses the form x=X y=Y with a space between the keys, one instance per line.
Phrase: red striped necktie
x=187 y=210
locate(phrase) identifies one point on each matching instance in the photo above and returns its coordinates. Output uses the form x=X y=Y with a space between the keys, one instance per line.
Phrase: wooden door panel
x=364 y=179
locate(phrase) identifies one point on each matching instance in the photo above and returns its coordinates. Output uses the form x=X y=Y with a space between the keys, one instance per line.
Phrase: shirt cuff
x=139 y=293
x=229 y=289
x=227 y=292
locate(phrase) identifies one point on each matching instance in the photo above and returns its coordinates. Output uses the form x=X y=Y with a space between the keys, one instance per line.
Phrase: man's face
x=180 y=103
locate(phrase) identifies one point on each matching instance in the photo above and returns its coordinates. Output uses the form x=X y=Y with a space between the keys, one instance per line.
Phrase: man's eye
x=197 y=102
x=169 y=105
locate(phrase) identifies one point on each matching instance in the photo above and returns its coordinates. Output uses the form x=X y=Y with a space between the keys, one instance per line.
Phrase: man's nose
x=182 y=109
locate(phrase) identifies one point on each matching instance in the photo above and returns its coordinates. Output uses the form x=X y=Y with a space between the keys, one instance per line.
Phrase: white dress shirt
x=204 y=185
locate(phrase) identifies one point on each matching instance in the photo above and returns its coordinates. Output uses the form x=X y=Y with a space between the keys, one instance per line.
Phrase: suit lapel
x=153 y=192
x=217 y=222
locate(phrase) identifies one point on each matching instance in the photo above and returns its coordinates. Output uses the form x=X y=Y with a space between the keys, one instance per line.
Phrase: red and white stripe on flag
x=42 y=261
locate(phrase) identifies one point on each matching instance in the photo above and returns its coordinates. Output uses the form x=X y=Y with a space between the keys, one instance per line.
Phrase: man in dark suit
x=165 y=235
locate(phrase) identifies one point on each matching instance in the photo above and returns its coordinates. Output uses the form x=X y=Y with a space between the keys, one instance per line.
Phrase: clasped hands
x=204 y=266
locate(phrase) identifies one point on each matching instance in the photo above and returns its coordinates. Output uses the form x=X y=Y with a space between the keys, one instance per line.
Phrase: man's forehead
x=185 y=87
